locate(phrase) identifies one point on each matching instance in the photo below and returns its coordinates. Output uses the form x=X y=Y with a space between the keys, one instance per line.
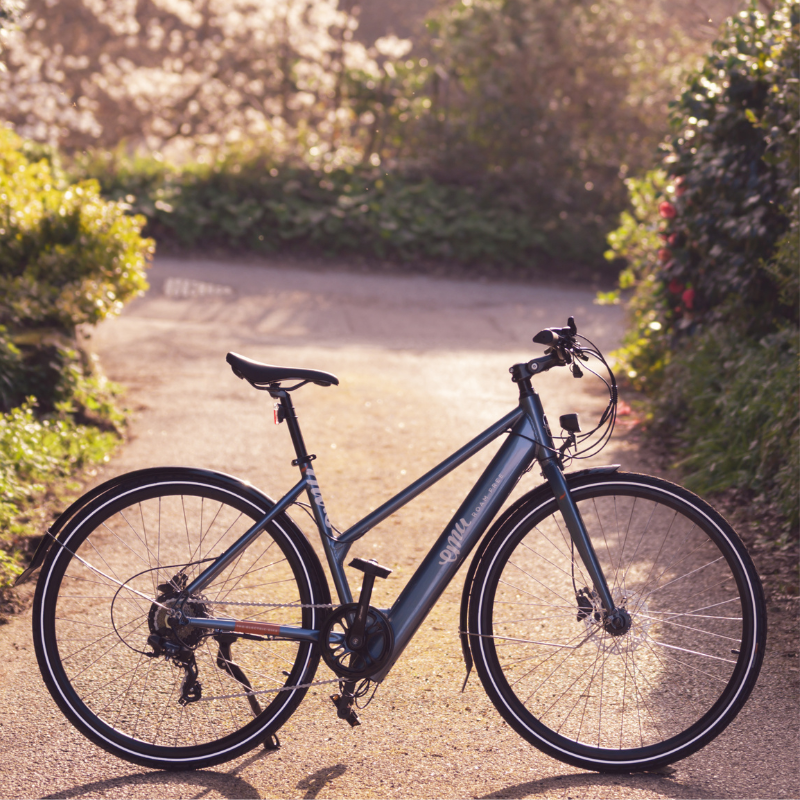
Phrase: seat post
x=294 y=427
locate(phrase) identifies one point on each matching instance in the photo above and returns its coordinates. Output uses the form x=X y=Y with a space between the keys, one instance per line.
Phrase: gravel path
x=423 y=365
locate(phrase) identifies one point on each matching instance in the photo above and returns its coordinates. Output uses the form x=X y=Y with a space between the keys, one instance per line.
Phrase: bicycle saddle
x=259 y=374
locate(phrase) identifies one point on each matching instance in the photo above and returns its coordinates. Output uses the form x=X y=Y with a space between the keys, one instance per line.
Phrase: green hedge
x=711 y=245
x=68 y=258
x=245 y=202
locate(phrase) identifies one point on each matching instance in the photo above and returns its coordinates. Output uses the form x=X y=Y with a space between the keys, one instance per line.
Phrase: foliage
x=563 y=98
x=740 y=425
x=711 y=244
x=10 y=11
x=536 y=107
x=249 y=202
x=34 y=454
x=159 y=72
x=67 y=258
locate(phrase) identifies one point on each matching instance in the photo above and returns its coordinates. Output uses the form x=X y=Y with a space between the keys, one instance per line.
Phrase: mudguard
x=56 y=530
x=537 y=495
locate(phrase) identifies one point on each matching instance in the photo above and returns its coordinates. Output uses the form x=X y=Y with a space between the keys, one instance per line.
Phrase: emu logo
x=454 y=540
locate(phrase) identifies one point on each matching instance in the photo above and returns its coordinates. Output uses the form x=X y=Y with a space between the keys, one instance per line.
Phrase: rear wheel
x=141 y=688
x=685 y=661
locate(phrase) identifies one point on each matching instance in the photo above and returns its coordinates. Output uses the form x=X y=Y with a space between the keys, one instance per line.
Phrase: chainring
x=364 y=661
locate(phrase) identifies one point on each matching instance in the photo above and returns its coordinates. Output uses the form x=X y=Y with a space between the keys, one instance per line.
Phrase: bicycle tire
x=93 y=613
x=653 y=695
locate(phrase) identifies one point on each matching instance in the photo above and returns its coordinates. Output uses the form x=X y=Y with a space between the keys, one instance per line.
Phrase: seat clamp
x=298 y=462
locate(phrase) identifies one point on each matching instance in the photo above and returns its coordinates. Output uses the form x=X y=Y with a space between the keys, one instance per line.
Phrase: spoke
x=694 y=613
x=688 y=628
x=625 y=539
x=686 y=575
x=544 y=558
x=119 y=710
x=141 y=698
x=164 y=712
x=691 y=652
x=246 y=572
x=153 y=575
x=553 y=591
x=639 y=543
x=649 y=643
x=603 y=531
x=96 y=640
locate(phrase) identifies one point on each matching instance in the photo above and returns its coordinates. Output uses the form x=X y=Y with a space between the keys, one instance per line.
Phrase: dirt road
x=423 y=365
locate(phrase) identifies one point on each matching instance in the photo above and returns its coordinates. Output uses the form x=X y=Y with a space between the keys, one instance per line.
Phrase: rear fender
x=95 y=496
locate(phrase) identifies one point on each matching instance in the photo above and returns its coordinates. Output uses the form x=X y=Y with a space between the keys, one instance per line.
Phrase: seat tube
x=566 y=505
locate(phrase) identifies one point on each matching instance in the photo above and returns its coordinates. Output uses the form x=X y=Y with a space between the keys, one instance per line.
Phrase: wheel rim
x=95 y=630
x=663 y=685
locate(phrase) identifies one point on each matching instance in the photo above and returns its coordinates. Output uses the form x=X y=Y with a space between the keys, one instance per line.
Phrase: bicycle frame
x=529 y=438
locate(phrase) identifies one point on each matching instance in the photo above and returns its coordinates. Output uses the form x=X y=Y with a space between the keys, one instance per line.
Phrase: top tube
x=431 y=477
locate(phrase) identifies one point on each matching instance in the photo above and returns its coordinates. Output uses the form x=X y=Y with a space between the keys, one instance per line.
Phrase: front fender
x=537 y=495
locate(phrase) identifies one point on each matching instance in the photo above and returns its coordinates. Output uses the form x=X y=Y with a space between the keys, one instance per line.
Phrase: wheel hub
x=162 y=623
x=627 y=628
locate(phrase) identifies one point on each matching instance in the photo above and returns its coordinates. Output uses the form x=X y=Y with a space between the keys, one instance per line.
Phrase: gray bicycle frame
x=529 y=438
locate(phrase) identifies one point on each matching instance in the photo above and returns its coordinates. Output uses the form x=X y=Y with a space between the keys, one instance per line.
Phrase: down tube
x=461 y=535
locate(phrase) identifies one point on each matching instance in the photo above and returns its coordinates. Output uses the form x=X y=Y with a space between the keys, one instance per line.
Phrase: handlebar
x=563 y=349
x=558 y=336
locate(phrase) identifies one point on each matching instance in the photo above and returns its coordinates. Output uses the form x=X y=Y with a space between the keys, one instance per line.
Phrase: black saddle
x=261 y=375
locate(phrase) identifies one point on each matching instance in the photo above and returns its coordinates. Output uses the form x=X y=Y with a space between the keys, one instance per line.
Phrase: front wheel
x=685 y=663
x=134 y=682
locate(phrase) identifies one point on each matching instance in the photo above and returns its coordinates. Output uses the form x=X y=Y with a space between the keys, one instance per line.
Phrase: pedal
x=345 y=710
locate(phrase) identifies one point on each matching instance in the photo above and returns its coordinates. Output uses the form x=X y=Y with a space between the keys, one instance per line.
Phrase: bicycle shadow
x=225 y=784
x=317 y=781
x=654 y=784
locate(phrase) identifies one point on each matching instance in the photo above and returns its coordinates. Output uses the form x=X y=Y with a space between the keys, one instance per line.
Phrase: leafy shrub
x=741 y=414
x=248 y=202
x=34 y=454
x=711 y=243
x=67 y=258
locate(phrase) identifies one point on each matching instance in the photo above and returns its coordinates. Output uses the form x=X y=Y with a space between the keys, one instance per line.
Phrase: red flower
x=675 y=286
x=667 y=210
x=664 y=254
x=688 y=298
x=673 y=237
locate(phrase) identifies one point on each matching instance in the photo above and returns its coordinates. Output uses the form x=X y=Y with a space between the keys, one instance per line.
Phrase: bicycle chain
x=283 y=688
x=271 y=605
x=271 y=691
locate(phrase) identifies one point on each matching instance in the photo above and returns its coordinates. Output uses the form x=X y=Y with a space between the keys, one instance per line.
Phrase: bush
x=68 y=259
x=248 y=202
x=711 y=244
x=35 y=454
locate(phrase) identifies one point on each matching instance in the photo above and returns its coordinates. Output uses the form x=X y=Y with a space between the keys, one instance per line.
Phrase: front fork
x=546 y=455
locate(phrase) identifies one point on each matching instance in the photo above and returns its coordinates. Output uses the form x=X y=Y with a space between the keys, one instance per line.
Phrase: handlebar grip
x=547 y=336
x=552 y=335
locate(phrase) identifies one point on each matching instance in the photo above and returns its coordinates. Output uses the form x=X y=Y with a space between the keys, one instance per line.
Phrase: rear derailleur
x=191 y=688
